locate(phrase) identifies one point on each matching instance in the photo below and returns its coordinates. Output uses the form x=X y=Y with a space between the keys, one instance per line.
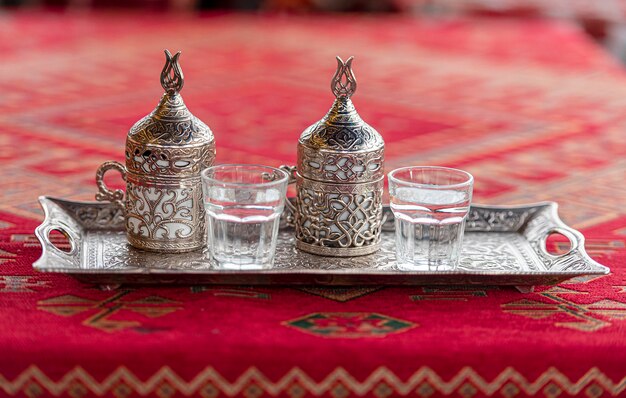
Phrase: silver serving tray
x=503 y=245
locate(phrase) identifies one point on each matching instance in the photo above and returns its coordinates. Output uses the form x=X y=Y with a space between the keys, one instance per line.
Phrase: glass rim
x=283 y=179
x=469 y=181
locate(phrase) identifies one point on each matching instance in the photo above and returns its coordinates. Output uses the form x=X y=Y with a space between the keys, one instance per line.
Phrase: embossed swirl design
x=171 y=108
x=171 y=123
x=342 y=138
x=163 y=213
x=164 y=161
x=340 y=167
x=99 y=217
x=505 y=220
x=331 y=217
x=342 y=129
x=163 y=132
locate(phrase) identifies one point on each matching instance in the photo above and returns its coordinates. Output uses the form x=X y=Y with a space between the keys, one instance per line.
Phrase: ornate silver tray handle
x=502 y=246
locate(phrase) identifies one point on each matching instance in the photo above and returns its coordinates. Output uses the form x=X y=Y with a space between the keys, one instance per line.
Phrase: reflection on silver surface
x=503 y=245
x=339 y=178
x=165 y=152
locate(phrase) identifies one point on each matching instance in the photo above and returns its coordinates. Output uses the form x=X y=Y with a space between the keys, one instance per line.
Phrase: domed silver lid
x=341 y=147
x=171 y=123
x=170 y=142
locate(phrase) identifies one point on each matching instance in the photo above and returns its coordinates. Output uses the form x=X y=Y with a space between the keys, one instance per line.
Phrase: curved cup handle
x=291 y=170
x=104 y=193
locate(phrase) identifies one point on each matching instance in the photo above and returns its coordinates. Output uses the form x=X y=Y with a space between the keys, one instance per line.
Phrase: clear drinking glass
x=243 y=205
x=430 y=205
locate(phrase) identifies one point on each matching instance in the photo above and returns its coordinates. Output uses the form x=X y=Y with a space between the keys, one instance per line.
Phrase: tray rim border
x=598 y=269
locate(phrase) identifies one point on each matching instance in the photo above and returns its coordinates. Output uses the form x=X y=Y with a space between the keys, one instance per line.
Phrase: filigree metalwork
x=343 y=83
x=340 y=166
x=165 y=153
x=491 y=220
x=99 y=218
x=497 y=252
x=340 y=220
x=342 y=129
x=168 y=161
x=104 y=193
x=172 y=78
x=537 y=231
x=171 y=124
x=160 y=213
x=488 y=257
x=340 y=171
x=167 y=216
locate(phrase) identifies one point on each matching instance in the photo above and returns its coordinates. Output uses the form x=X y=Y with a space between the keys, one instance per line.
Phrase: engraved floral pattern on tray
x=506 y=251
x=500 y=252
x=103 y=255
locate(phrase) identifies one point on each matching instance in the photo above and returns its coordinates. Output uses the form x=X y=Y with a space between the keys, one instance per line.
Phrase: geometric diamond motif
x=588 y=317
x=349 y=324
x=552 y=390
x=70 y=305
x=340 y=294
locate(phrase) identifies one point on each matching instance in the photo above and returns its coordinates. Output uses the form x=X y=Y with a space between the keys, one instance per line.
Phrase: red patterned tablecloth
x=534 y=110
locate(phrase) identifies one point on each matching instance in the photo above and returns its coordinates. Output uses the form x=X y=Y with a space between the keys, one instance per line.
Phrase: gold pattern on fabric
x=6 y=256
x=585 y=317
x=454 y=293
x=101 y=311
x=340 y=294
x=296 y=382
x=20 y=283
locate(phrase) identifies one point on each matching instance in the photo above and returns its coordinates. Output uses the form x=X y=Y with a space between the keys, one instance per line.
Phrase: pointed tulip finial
x=172 y=78
x=343 y=83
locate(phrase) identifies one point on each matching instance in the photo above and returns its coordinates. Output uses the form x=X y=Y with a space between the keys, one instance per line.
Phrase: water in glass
x=243 y=204
x=430 y=205
x=429 y=227
x=242 y=237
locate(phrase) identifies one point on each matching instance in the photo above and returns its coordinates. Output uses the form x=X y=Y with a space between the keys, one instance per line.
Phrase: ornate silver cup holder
x=503 y=245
